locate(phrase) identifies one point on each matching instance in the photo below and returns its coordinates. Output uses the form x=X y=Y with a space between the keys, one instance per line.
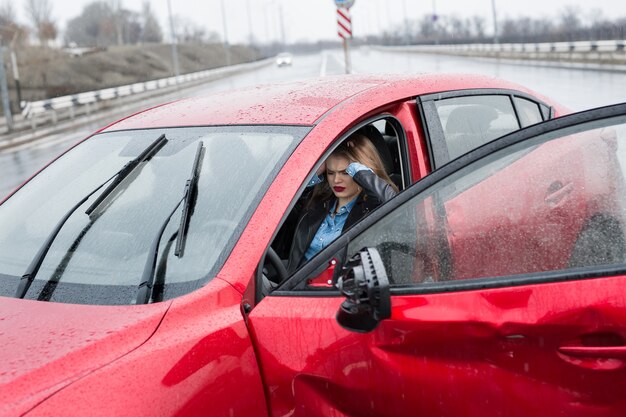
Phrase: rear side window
x=528 y=111
x=469 y=122
x=457 y=122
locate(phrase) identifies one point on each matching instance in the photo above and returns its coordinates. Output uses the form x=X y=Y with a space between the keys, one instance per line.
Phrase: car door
x=497 y=292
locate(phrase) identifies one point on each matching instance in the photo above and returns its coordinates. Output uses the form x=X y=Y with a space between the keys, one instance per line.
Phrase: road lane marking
x=324 y=64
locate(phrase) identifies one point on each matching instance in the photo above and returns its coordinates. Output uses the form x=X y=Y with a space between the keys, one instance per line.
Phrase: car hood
x=47 y=346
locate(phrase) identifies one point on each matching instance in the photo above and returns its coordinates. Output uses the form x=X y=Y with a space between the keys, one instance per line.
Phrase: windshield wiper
x=126 y=170
x=33 y=268
x=189 y=197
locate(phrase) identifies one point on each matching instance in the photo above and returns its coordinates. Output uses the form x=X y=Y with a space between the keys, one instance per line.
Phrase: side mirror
x=365 y=284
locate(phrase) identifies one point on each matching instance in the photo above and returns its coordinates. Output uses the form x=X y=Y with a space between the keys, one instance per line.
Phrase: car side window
x=457 y=122
x=469 y=122
x=528 y=111
x=551 y=203
x=388 y=139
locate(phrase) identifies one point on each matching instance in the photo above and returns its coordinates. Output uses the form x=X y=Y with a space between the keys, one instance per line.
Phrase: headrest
x=378 y=141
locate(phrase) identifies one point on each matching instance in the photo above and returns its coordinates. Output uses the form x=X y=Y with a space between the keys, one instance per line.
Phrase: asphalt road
x=577 y=89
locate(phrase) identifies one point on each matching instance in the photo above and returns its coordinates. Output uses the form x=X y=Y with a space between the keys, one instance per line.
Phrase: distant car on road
x=141 y=272
x=284 y=59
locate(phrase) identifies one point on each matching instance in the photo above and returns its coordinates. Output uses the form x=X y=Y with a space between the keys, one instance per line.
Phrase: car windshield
x=99 y=259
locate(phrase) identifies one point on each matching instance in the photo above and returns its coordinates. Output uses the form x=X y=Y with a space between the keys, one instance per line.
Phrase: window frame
x=431 y=123
x=294 y=285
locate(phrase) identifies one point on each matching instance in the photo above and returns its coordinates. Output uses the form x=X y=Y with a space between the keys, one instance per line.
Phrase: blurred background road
x=577 y=89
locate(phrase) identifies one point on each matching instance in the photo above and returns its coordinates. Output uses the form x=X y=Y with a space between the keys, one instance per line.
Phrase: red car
x=139 y=270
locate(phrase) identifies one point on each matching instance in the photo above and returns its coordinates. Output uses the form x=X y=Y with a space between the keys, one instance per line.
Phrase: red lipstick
x=339 y=189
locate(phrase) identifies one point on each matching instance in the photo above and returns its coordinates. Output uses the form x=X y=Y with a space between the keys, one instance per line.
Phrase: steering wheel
x=278 y=265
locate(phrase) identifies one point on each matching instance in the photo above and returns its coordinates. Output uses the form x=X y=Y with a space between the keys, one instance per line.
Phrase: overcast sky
x=315 y=19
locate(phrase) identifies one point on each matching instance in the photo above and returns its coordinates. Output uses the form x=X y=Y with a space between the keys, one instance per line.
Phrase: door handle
x=557 y=193
x=604 y=352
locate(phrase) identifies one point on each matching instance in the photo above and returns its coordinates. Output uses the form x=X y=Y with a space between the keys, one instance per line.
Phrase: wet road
x=577 y=89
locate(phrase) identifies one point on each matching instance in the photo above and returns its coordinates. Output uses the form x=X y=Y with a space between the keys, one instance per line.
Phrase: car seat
x=373 y=134
x=467 y=128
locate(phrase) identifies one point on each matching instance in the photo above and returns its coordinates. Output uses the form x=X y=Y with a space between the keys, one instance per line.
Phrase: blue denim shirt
x=330 y=229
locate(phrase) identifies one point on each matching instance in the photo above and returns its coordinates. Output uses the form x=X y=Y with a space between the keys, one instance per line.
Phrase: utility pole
x=495 y=22
x=16 y=77
x=406 y=24
x=435 y=18
x=282 y=24
x=225 y=28
x=274 y=17
x=174 y=43
x=5 y=92
x=346 y=56
x=250 y=32
x=266 y=19
x=16 y=73
x=388 y=23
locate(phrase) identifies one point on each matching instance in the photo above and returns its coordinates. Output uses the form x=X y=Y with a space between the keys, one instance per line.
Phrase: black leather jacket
x=375 y=192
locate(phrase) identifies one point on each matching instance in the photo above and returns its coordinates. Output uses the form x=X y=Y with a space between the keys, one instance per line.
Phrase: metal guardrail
x=31 y=109
x=549 y=47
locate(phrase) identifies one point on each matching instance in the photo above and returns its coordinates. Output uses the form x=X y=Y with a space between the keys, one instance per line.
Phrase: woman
x=356 y=183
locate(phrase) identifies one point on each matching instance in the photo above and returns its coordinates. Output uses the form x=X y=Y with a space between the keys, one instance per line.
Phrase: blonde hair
x=356 y=148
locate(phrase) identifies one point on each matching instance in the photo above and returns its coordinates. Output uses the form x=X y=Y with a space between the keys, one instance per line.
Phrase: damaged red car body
x=139 y=271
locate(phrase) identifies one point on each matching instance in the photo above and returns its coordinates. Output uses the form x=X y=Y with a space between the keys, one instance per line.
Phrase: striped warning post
x=344 y=23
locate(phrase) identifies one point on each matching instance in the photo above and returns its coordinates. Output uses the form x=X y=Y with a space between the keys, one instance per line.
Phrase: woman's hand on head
x=355 y=167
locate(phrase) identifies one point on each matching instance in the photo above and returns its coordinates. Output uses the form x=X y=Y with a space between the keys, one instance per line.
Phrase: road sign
x=346 y=4
x=344 y=30
x=344 y=23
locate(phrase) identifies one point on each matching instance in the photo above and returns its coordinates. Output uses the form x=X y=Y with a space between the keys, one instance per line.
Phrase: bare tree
x=131 y=27
x=94 y=26
x=39 y=13
x=105 y=23
x=117 y=16
x=7 y=11
x=458 y=28
x=190 y=32
x=11 y=32
x=570 y=21
x=478 y=25
x=151 y=31
x=597 y=23
x=426 y=27
x=48 y=31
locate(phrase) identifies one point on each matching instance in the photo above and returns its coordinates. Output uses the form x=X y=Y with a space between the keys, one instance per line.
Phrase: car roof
x=300 y=102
